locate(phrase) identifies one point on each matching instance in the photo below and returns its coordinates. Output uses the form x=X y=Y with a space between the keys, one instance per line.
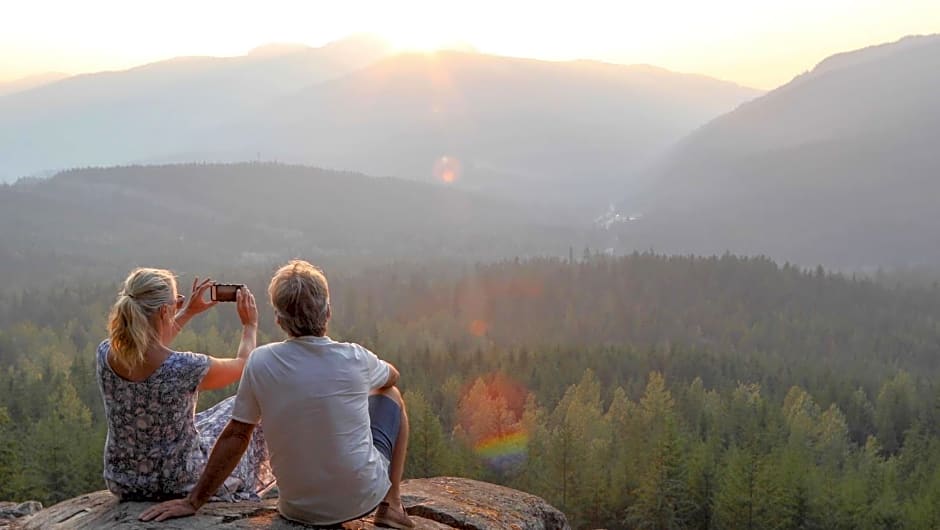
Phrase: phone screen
x=224 y=292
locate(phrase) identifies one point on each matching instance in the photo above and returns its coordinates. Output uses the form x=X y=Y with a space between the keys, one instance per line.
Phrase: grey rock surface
x=434 y=504
x=11 y=511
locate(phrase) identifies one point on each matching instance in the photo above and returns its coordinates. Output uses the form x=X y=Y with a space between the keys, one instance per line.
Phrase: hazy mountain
x=159 y=108
x=526 y=129
x=530 y=129
x=839 y=166
x=30 y=82
x=102 y=220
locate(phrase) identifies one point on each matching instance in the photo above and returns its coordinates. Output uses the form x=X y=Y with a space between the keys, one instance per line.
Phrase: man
x=334 y=421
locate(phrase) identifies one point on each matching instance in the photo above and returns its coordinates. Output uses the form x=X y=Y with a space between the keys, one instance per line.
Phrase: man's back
x=312 y=396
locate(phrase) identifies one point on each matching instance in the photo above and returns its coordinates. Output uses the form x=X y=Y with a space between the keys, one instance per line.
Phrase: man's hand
x=230 y=446
x=168 y=510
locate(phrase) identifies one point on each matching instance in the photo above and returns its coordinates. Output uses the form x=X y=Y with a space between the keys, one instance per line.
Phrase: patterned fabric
x=157 y=446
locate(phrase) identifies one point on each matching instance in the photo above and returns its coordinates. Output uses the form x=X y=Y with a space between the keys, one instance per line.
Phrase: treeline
x=634 y=392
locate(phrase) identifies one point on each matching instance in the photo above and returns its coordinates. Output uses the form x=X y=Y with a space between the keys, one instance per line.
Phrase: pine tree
x=626 y=451
x=894 y=411
x=662 y=499
x=59 y=445
x=12 y=481
x=427 y=450
x=577 y=424
x=744 y=492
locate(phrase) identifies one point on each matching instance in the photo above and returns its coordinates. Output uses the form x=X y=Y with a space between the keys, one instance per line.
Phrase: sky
x=757 y=43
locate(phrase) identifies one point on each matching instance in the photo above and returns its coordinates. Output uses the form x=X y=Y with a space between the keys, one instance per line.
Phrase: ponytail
x=129 y=324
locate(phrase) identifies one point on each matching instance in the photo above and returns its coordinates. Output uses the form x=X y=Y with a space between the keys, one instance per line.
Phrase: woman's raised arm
x=196 y=304
x=223 y=372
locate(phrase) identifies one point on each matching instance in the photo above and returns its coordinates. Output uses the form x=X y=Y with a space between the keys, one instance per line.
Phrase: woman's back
x=153 y=449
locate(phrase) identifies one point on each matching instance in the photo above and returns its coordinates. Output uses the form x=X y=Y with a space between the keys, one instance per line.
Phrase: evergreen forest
x=638 y=391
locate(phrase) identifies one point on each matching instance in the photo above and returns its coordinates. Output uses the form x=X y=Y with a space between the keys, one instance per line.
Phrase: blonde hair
x=301 y=298
x=144 y=292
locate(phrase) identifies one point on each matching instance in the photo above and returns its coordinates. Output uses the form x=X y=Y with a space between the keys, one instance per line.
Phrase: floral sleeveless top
x=157 y=446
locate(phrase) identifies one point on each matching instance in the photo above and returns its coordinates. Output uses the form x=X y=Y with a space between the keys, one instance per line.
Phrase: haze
x=756 y=44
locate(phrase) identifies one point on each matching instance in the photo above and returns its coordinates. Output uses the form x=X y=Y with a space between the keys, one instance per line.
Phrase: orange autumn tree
x=489 y=422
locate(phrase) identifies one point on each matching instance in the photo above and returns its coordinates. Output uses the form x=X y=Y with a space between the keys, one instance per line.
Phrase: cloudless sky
x=759 y=43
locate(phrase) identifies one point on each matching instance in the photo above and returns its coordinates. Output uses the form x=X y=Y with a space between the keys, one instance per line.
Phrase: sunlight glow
x=422 y=36
x=447 y=169
x=761 y=44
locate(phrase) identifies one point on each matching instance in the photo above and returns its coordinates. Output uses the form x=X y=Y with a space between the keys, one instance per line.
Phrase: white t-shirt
x=313 y=395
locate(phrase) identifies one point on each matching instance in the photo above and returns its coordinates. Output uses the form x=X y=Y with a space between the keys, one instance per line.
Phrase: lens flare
x=478 y=327
x=504 y=451
x=447 y=169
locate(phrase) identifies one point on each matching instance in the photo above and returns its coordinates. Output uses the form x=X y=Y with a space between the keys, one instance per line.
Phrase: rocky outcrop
x=10 y=511
x=434 y=504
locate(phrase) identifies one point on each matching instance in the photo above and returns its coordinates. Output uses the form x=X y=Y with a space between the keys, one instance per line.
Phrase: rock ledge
x=435 y=504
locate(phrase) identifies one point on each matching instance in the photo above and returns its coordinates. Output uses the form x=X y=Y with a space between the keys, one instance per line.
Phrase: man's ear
x=329 y=310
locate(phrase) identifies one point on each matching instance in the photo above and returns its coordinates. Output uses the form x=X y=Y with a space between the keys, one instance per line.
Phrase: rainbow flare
x=503 y=451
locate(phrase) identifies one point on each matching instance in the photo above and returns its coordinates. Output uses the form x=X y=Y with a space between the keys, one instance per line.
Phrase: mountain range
x=839 y=166
x=162 y=108
x=520 y=128
x=525 y=129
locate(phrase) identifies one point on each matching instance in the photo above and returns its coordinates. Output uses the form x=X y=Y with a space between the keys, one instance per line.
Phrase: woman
x=156 y=445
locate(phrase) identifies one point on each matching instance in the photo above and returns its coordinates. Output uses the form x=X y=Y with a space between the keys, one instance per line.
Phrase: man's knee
x=392 y=393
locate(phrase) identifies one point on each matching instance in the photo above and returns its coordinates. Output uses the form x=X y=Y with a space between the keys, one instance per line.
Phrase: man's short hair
x=301 y=299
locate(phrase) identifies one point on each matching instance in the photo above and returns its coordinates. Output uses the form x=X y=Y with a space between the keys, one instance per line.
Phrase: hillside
x=836 y=167
x=99 y=221
x=157 y=109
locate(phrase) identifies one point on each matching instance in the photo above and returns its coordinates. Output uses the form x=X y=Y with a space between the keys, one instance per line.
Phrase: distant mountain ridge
x=30 y=82
x=836 y=167
x=518 y=127
x=873 y=53
x=158 y=108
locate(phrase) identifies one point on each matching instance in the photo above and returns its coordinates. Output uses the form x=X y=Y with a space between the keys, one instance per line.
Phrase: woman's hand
x=223 y=372
x=247 y=310
x=197 y=302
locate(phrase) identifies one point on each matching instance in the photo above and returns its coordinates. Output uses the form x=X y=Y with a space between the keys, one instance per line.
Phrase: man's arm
x=392 y=376
x=228 y=449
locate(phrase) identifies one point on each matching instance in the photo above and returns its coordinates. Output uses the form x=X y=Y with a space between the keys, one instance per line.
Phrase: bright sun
x=418 y=41
x=420 y=35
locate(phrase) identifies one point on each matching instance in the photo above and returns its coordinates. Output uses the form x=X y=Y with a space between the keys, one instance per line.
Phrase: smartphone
x=224 y=292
